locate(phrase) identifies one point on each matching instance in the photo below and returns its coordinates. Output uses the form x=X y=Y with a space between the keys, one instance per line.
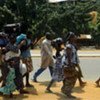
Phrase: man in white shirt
x=46 y=56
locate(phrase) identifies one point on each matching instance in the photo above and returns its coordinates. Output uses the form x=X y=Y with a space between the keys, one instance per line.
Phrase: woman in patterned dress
x=57 y=73
x=70 y=60
x=10 y=86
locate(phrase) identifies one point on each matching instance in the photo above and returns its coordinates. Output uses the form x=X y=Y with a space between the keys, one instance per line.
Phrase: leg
x=80 y=75
x=27 y=78
x=27 y=81
x=80 y=81
x=49 y=86
x=38 y=73
x=68 y=85
x=51 y=70
x=97 y=82
x=19 y=82
x=19 y=79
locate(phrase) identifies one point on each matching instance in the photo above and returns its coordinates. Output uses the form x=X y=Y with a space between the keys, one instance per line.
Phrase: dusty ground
x=89 y=92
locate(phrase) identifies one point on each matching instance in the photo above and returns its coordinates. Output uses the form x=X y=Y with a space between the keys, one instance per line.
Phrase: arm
x=21 y=44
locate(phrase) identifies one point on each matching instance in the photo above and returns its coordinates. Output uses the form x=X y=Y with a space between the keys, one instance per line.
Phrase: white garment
x=11 y=54
x=46 y=54
x=46 y=48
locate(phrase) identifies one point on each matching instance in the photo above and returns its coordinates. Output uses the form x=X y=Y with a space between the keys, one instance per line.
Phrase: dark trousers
x=39 y=71
x=19 y=78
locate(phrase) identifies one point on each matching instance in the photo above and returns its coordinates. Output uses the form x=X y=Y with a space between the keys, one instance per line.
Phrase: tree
x=39 y=16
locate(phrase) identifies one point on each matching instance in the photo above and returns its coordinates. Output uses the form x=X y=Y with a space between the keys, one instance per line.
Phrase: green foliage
x=40 y=16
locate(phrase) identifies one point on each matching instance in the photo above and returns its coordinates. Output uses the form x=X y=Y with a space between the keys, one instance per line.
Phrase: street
x=91 y=71
x=90 y=67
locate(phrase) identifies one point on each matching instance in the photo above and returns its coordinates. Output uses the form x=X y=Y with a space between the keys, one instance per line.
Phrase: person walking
x=69 y=61
x=3 y=66
x=25 y=55
x=80 y=74
x=10 y=86
x=11 y=51
x=57 y=73
x=46 y=56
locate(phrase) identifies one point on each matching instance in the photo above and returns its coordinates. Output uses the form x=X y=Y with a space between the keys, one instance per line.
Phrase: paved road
x=90 y=67
x=81 y=53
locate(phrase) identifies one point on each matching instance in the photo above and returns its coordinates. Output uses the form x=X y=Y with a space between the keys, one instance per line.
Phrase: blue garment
x=40 y=70
x=3 y=42
x=26 y=53
x=58 y=70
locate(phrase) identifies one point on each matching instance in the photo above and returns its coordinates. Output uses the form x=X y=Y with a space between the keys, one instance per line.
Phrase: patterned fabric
x=10 y=85
x=68 y=85
x=13 y=51
x=58 y=73
x=74 y=56
x=26 y=57
x=28 y=62
x=70 y=72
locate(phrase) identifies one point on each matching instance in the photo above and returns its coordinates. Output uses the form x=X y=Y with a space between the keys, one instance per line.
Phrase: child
x=57 y=74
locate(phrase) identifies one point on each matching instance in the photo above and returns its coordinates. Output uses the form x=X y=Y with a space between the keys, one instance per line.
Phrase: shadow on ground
x=18 y=96
x=64 y=97
x=78 y=89
x=46 y=83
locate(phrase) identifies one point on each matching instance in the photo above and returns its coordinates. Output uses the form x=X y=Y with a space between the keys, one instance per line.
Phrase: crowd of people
x=63 y=67
x=12 y=54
